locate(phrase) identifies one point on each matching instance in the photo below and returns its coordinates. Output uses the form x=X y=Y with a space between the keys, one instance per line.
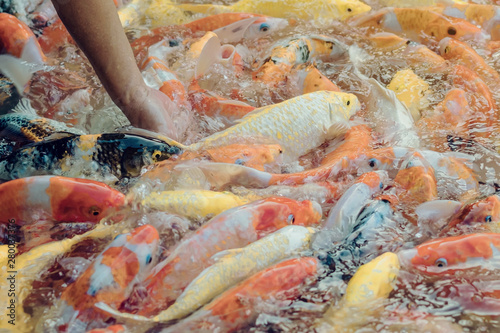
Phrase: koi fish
x=483 y=211
x=419 y=24
x=296 y=51
x=163 y=13
x=228 y=312
x=287 y=124
x=485 y=16
x=371 y=283
x=59 y=198
x=111 y=276
x=447 y=255
x=233 y=228
x=462 y=54
x=118 y=154
x=168 y=82
x=306 y=10
x=109 y=329
x=411 y=90
x=54 y=36
x=231 y=267
x=310 y=79
x=194 y=204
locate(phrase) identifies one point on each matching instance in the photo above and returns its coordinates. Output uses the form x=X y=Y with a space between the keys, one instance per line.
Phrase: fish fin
x=58 y=136
x=205 y=8
x=117 y=314
x=338 y=129
x=15 y=70
x=150 y=135
x=24 y=107
x=209 y=55
x=225 y=254
x=32 y=52
x=235 y=32
x=437 y=210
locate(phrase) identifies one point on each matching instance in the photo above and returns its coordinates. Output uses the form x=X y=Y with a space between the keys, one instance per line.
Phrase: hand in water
x=152 y=110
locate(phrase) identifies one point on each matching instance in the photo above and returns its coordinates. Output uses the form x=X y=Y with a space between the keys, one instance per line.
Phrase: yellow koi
x=297 y=125
x=195 y=203
x=411 y=90
x=231 y=267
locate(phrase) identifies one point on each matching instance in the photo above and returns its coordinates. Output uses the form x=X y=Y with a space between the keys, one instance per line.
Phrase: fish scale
x=298 y=125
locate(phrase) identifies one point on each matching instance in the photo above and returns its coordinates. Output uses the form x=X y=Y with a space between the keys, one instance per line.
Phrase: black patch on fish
x=304 y=52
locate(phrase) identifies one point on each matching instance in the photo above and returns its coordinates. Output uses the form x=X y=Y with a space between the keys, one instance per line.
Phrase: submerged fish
x=234 y=228
x=117 y=154
x=229 y=312
x=231 y=267
x=411 y=90
x=298 y=125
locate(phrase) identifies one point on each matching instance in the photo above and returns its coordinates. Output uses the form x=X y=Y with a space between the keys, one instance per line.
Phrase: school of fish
x=336 y=170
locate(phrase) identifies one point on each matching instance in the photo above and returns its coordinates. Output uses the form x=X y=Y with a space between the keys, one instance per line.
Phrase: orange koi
x=419 y=24
x=234 y=228
x=109 y=329
x=310 y=80
x=483 y=211
x=447 y=255
x=15 y=36
x=230 y=313
x=170 y=83
x=58 y=198
x=54 y=36
x=462 y=54
x=110 y=277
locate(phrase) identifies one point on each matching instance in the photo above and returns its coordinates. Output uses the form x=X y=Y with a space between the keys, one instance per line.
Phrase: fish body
x=310 y=80
x=168 y=82
x=109 y=329
x=118 y=154
x=54 y=36
x=447 y=255
x=307 y=10
x=59 y=198
x=112 y=274
x=162 y=13
x=419 y=24
x=256 y=27
x=14 y=38
x=233 y=228
x=231 y=267
x=297 y=125
x=194 y=203
x=280 y=281
x=411 y=90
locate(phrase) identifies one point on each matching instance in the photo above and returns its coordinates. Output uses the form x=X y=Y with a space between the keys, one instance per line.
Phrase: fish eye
x=452 y=31
x=487 y=218
x=441 y=262
x=149 y=259
x=173 y=42
x=349 y=9
x=372 y=162
x=264 y=27
x=381 y=185
x=94 y=210
x=291 y=219
x=239 y=161
x=348 y=102
x=447 y=49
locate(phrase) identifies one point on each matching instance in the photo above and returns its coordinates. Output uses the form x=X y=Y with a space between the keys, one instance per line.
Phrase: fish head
x=380 y=159
x=82 y=200
x=305 y=213
x=483 y=211
x=349 y=104
x=454 y=28
x=446 y=255
x=378 y=20
x=376 y=180
x=253 y=156
x=310 y=80
x=265 y=26
x=350 y=8
x=450 y=48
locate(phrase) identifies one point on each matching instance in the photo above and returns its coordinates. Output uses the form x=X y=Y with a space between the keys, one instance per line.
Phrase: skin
x=96 y=28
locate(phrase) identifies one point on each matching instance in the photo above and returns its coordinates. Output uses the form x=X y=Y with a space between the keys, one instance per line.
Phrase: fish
x=310 y=79
x=289 y=124
x=411 y=90
x=31 y=264
x=371 y=283
x=54 y=36
x=295 y=51
x=419 y=24
x=117 y=154
x=233 y=228
x=306 y=10
x=194 y=204
x=109 y=329
x=230 y=267
x=167 y=81
x=228 y=312
x=447 y=255
x=484 y=15
x=110 y=277
x=163 y=13
x=462 y=54
x=485 y=211
x=59 y=198
x=43 y=14
x=343 y=215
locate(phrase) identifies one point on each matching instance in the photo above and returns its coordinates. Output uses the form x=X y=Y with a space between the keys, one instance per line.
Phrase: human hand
x=151 y=109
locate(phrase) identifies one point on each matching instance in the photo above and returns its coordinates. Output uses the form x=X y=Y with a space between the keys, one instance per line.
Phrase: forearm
x=96 y=28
